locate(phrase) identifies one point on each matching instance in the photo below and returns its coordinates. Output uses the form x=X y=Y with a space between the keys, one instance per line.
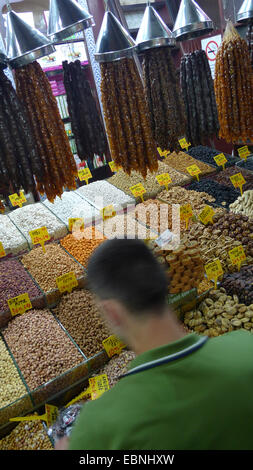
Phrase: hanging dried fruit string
x=234 y=88
x=199 y=98
x=59 y=168
x=167 y=111
x=127 y=117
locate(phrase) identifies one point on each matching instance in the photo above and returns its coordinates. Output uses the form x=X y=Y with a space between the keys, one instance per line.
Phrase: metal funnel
x=191 y=21
x=114 y=42
x=24 y=44
x=245 y=14
x=66 y=18
x=153 y=32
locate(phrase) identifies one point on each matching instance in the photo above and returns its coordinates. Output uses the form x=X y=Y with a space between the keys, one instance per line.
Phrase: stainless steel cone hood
x=66 y=17
x=153 y=32
x=191 y=21
x=245 y=14
x=114 y=42
x=24 y=44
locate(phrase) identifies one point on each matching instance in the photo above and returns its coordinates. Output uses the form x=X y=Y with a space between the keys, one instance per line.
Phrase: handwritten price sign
x=238 y=181
x=244 y=152
x=19 y=305
x=84 y=175
x=17 y=200
x=76 y=224
x=186 y=213
x=138 y=190
x=184 y=144
x=207 y=215
x=40 y=236
x=214 y=271
x=98 y=386
x=194 y=170
x=67 y=282
x=108 y=212
x=49 y=417
x=221 y=160
x=113 y=345
x=237 y=256
x=164 y=180
x=163 y=153
x=2 y=252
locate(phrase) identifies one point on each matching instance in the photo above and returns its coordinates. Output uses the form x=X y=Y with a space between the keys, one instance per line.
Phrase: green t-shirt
x=203 y=400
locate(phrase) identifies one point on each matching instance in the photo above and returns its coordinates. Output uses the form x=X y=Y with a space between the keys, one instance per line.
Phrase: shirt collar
x=166 y=350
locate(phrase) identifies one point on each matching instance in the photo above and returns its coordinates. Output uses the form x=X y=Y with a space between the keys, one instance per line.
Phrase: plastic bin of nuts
x=46 y=267
x=14 y=281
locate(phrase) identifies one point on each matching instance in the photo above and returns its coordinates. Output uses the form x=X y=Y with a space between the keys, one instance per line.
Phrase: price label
x=194 y=171
x=138 y=190
x=113 y=166
x=214 y=271
x=113 y=345
x=84 y=175
x=164 y=180
x=67 y=282
x=108 y=212
x=238 y=181
x=184 y=144
x=207 y=215
x=237 y=256
x=98 y=386
x=85 y=394
x=40 y=236
x=244 y=152
x=16 y=200
x=76 y=224
x=2 y=252
x=163 y=153
x=51 y=414
x=186 y=213
x=22 y=197
x=220 y=160
x=20 y=304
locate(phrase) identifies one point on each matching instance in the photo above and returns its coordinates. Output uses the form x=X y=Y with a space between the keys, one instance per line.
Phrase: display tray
x=243 y=164
x=118 y=207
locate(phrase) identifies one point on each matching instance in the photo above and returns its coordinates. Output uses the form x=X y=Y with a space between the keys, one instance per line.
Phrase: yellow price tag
x=76 y=224
x=67 y=282
x=2 y=252
x=214 y=271
x=84 y=175
x=220 y=160
x=238 y=181
x=19 y=305
x=138 y=190
x=108 y=212
x=16 y=200
x=98 y=386
x=237 y=256
x=113 y=345
x=207 y=215
x=194 y=171
x=113 y=166
x=49 y=417
x=85 y=394
x=40 y=236
x=184 y=144
x=186 y=213
x=164 y=180
x=163 y=153
x=244 y=152
x=22 y=197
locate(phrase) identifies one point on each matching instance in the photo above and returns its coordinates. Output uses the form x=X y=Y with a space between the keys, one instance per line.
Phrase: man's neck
x=156 y=331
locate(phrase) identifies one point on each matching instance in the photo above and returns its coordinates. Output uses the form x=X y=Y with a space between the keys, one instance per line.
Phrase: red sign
x=211 y=50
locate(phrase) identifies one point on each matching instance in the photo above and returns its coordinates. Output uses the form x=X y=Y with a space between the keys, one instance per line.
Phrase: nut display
x=163 y=95
x=117 y=366
x=11 y=238
x=218 y=314
x=71 y=205
x=81 y=244
x=127 y=117
x=243 y=205
x=101 y=194
x=224 y=177
x=184 y=266
x=12 y=386
x=236 y=226
x=28 y=435
x=124 y=226
x=199 y=98
x=240 y=284
x=234 y=87
x=125 y=182
x=207 y=154
x=215 y=244
x=181 y=161
x=46 y=267
x=14 y=281
x=223 y=195
x=155 y=214
x=79 y=315
x=40 y=347
x=35 y=216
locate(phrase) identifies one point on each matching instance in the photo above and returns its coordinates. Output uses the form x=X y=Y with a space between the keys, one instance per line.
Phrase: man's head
x=128 y=282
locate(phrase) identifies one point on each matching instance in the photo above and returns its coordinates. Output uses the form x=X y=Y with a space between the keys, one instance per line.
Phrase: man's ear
x=113 y=312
